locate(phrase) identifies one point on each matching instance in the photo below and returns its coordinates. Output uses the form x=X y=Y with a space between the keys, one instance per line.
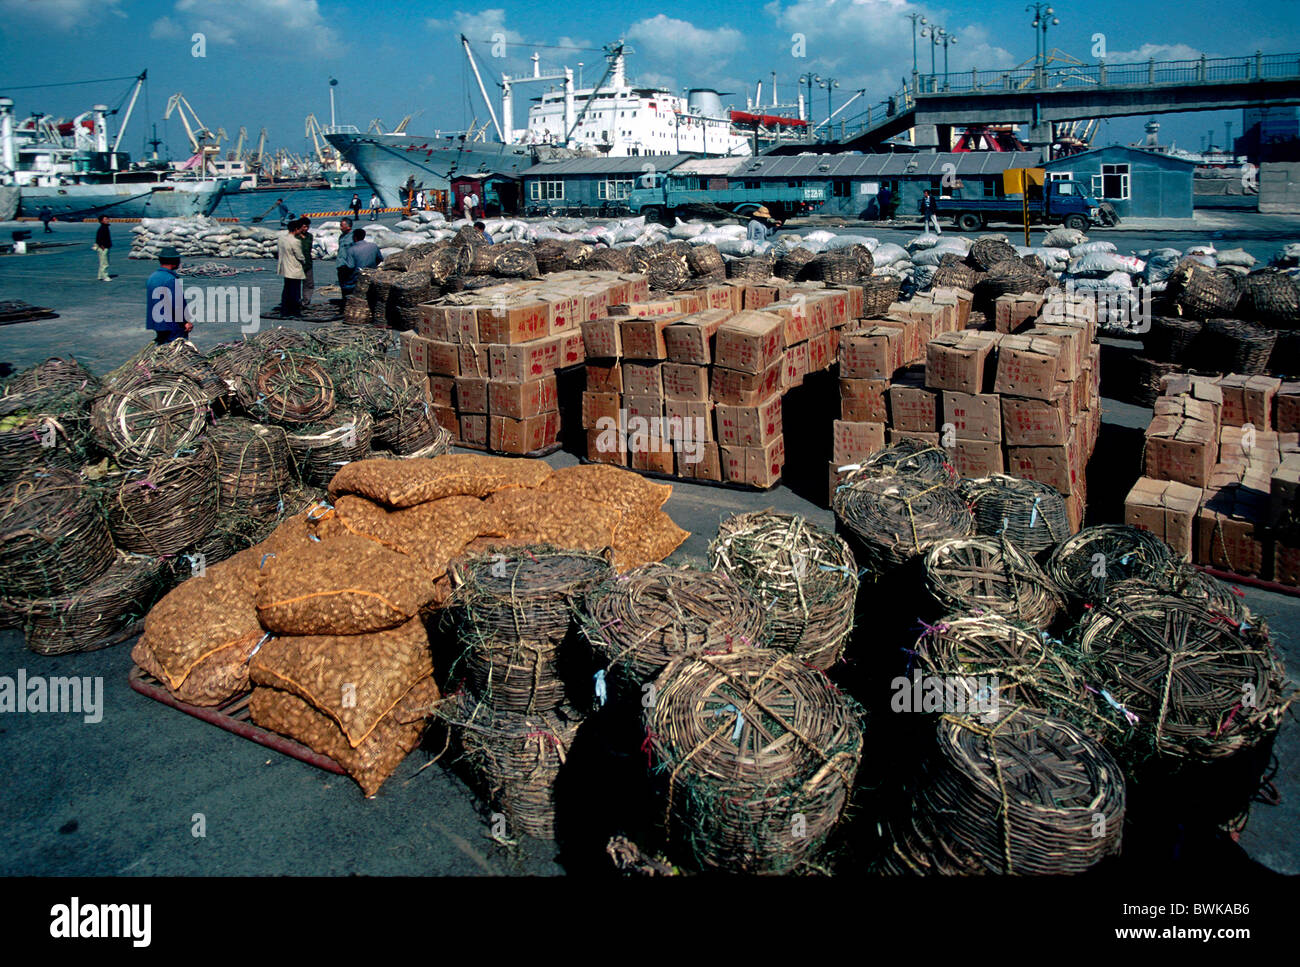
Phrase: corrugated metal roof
x=968 y=163
x=709 y=166
x=1064 y=161
x=605 y=166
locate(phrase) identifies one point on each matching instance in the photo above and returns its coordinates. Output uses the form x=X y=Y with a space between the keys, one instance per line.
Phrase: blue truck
x=1056 y=203
x=661 y=198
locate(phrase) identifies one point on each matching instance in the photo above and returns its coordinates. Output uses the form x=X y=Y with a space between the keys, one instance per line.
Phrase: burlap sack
x=369 y=763
x=433 y=533
x=405 y=483
x=638 y=542
x=561 y=519
x=354 y=679
x=216 y=678
x=628 y=493
x=345 y=585
x=209 y=620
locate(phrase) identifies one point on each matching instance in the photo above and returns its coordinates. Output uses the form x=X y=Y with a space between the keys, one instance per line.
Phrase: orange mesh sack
x=369 y=763
x=627 y=492
x=354 y=679
x=432 y=533
x=640 y=542
x=341 y=586
x=559 y=519
x=405 y=483
x=198 y=639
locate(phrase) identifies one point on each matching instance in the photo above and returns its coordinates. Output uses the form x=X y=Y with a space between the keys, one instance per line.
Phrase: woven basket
x=911 y=458
x=1142 y=387
x=879 y=292
x=1202 y=292
x=53 y=538
x=1170 y=338
x=320 y=449
x=1087 y=564
x=1234 y=346
x=789 y=264
x=550 y=255
x=988 y=252
x=666 y=272
x=606 y=260
x=896 y=519
x=42 y=439
x=252 y=465
x=1270 y=297
x=291 y=388
x=837 y=267
x=758 y=753
x=153 y=420
x=955 y=274
x=54 y=383
x=804 y=579
x=988 y=574
x=705 y=262
x=95 y=615
x=1029 y=514
x=756 y=268
x=165 y=506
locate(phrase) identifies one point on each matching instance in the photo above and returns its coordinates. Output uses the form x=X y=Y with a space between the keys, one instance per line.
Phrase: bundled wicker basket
x=280 y=338
x=606 y=260
x=320 y=449
x=989 y=574
x=879 y=292
x=97 y=614
x=56 y=384
x=988 y=252
x=252 y=465
x=1270 y=297
x=789 y=265
x=836 y=267
x=42 y=438
x=666 y=271
x=1234 y=346
x=1170 y=338
x=804 y=579
x=705 y=262
x=290 y=388
x=755 y=268
x=53 y=538
x=956 y=275
x=1088 y=563
x=550 y=255
x=1029 y=514
x=1201 y=292
x=758 y=753
x=156 y=419
x=911 y=458
x=1142 y=385
x=165 y=506
x=896 y=519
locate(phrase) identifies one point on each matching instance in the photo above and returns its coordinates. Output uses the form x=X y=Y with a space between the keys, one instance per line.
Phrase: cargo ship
x=613 y=118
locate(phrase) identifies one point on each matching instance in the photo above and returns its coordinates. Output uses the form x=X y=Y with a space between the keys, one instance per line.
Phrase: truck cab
x=1064 y=202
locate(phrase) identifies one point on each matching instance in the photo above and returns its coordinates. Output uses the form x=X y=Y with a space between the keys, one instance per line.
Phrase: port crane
x=203 y=142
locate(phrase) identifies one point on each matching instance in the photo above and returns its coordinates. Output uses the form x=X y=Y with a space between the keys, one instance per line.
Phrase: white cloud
x=1156 y=52
x=667 y=38
x=292 y=28
x=64 y=14
x=165 y=28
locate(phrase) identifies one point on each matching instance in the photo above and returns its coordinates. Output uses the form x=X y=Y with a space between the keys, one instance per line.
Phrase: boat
x=613 y=118
x=70 y=168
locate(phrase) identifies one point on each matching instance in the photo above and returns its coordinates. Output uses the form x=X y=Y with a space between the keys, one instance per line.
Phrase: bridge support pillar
x=926 y=137
x=1040 y=136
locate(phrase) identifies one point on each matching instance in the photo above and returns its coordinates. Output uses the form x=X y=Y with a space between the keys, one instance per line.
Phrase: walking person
x=167 y=315
x=930 y=212
x=309 y=280
x=290 y=268
x=103 y=242
x=46 y=216
x=884 y=199
x=375 y=204
x=355 y=205
x=282 y=210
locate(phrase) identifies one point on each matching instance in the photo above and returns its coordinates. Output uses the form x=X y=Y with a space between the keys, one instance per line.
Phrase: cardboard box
x=755 y=466
x=524 y=361
x=697 y=414
x=863 y=400
x=749 y=342
x=522 y=400
x=1284 y=494
x=573 y=351
x=659 y=458
x=648 y=408
x=473 y=360
x=1048 y=465
x=1286 y=560
x=1249 y=400
x=737 y=388
x=1015 y=311
x=853 y=442
x=749 y=426
x=873 y=353
x=506 y=323
x=601 y=337
x=462 y=323
x=1180 y=442
x=535 y=433
x=604 y=376
x=1035 y=423
x=1073 y=349
x=442 y=391
x=822 y=350
x=706 y=464
x=759 y=296
x=963 y=299
x=472 y=395
x=1230 y=531
x=912 y=407
x=643 y=378
x=1028 y=366
x=960 y=361
x=561 y=312
x=1167 y=509
x=894 y=435
x=1287 y=405
x=972 y=416
x=474 y=429
x=682 y=381
x=433 y=323
x=599 y=406
x=607 y=445
x=795 y=366
x=414 y=352
x=644 y=338
x=691 y=340
x=976 y=458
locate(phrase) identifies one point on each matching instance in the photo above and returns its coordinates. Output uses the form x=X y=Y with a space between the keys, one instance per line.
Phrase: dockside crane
x=200 y=136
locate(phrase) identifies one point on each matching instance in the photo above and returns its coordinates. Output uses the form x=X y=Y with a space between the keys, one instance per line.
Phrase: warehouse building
x=1138 y=183
x=589 y=185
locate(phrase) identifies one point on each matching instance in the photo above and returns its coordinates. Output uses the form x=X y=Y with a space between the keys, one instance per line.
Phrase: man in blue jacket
x=165 y=298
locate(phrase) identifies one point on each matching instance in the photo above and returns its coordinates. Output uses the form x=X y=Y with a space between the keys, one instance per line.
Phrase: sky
x=267 y=63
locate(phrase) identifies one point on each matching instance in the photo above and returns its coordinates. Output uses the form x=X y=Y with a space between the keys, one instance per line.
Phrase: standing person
x=884 y=198
x=46 y=216
x=282 y=210
x=290 y=268
x=341 y=269
x=419 y=200
x=930 y=212
x=355 y=205
x=307 y=239
x=168 y=316
x=103 y=242
x=375 y=204
x=362 y=254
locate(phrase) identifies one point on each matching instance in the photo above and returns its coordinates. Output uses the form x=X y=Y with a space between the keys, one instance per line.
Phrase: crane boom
x=121 y=129
x=482 y=90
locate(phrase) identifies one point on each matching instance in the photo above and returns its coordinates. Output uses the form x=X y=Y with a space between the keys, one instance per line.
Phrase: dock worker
x=345 y=243
x=103 y=242
x=167 y=316
x=309 y=279
x=282 y=210
x=361 y=255
x=375 y=204
x=46 y=216
x=758 y=230
x=930 y=212
x=290 y=268
x=482 y=230
x=355 y=205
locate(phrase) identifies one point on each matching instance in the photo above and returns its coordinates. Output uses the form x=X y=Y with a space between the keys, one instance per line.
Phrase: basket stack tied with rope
x=290 y=388
x=1026 y=794
x=879 y=292
x=550 y=255
x=1234 y=346
x=53 y=538
x=407 y=293
x=1171 y=338
x=252 y=465
x=987 y=252
x=235 y=362
x=896 y=519
x=789 y=264
x=1201 y=292
x=331 y=340
x=836 y=267
x=666 y=271
x=642 y=620
x=1270 y=297
x=911 y=458
x=989 y=574
x=356 y=310
x=280 y=338
x=517 y=624
x=97 y=614
x=155 y=419
x=1029 y=514
x=179 y=357
x=991 y=665
x=1086 y=565
x=705 y=262
x=1181 y=580
x=319 y=449
x=517 y=759
x=384 y=390
x=953 y=272
x=607 y=260
x=1143 y=376
x=804 y=579
x=43 y=418
x=757 y=753
x=165 y=506
x=56 y=384
x=1005 y=278
x=381 y=285
x=1203 y=696
x=754 y=268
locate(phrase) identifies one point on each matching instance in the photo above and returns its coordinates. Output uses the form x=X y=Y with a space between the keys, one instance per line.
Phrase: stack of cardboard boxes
x=490 y=356
x=691 y=384
x=1021 y=397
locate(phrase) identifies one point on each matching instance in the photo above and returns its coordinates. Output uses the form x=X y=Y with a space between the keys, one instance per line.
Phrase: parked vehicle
x=1058 y=203
x=661 y=198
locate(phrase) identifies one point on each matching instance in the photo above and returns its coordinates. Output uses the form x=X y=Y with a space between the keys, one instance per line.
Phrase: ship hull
x=389 y=162
x=127 y=200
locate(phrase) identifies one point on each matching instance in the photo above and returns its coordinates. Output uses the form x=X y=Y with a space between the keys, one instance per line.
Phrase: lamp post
x=947 y=40
x=936 y=35
x=828 y=83
x=914 y=17
x=808 y=80
x=1043 y=18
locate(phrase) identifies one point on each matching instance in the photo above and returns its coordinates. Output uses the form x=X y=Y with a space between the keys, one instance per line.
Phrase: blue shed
x=569 y=184
x=1138 y=183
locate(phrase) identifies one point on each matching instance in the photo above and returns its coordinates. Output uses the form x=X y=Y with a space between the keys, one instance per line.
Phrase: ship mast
x=482 y=90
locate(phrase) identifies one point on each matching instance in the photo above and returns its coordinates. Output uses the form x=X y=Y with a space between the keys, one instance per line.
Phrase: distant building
x=590 y=182
x=1138 y=183
x=1269 y=134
